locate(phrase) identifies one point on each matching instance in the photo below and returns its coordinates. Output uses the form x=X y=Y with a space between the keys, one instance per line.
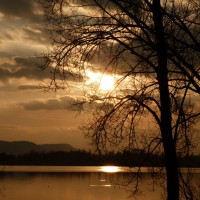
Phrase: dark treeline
x=82 y=157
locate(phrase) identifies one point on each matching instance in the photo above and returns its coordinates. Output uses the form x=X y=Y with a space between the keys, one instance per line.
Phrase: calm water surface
x=69 y=183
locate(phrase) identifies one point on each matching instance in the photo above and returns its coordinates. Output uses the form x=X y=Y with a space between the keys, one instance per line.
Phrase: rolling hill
x=24 y=147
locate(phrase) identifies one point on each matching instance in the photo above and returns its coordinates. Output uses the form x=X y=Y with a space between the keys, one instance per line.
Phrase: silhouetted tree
x=154 y=48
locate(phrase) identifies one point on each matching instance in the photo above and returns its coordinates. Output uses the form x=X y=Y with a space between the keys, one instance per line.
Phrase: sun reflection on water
x=110 y=169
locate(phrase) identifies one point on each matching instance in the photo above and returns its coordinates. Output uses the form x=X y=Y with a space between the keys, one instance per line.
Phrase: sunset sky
x=27 y=112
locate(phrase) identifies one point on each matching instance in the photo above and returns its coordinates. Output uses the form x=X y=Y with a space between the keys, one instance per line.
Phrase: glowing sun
x=105 y=82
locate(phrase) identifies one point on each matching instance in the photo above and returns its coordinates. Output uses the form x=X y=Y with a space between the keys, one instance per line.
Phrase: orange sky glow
x=27 y=110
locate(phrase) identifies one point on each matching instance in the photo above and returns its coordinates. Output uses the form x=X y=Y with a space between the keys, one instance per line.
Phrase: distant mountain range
x=24 y=147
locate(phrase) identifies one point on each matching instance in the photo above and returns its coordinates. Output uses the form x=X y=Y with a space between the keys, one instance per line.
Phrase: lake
x=70 y=183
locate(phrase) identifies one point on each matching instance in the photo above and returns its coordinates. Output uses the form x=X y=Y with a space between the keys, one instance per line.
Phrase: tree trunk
x=166 y=126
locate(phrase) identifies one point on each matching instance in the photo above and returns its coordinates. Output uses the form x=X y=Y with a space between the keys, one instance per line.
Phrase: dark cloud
x=28 y=61
x=23 y=67
x=25 y=9
x=29 y=87
x=51 y=104
x=36 y=34
x=4 y=74
x=11 y=88
x=29 y=68
x=22 y=33
x=64 y=103
x=7 y=36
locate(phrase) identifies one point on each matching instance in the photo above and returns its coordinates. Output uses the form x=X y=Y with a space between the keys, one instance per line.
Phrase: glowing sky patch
x=104 y=82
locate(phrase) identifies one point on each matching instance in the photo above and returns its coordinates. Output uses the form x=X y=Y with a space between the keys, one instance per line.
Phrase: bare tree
x=154 y=47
